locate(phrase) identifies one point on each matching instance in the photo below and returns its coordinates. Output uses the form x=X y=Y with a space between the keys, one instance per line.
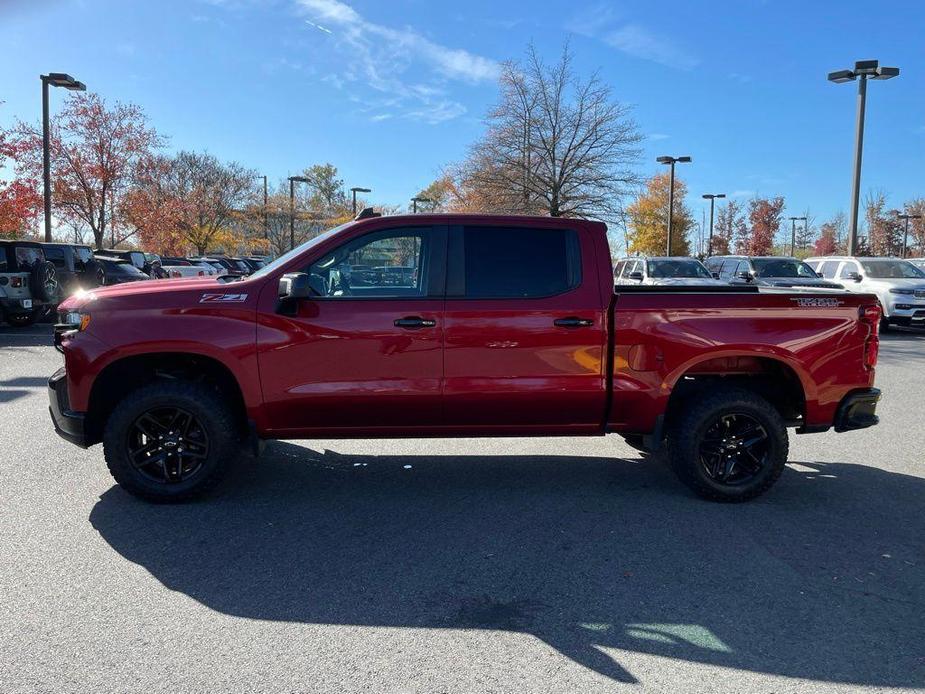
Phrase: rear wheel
x=170 y=441
x=730 y=446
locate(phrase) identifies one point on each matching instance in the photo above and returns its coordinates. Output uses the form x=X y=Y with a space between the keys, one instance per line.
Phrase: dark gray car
x=767 y=271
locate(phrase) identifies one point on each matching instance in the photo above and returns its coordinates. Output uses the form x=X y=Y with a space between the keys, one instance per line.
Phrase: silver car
x=663 y=271
x=898 y=284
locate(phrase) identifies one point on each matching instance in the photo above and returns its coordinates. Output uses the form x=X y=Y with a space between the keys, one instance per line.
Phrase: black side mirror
x=635 y=276
x=715 y=275
x=856 y=276
x=744 y=275
x=295 y=285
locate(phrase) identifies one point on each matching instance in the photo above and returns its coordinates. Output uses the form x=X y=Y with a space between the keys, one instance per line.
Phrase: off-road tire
x=214 y=416
x=44 y=282
x=687 y=432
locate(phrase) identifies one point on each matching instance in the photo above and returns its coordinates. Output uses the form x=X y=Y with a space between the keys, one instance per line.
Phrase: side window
x=728 y=270
x=56 y=256
x=3 y=263
x=617 y=272
x=713 y=264
x=846 y=269
x=504 y=262
x=385 y=264
x=828 y=269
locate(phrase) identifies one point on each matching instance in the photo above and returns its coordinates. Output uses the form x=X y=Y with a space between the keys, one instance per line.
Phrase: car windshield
x=687 y=268
x=298 y=250
x=891 y=269
x=782 y=267
x=27 y=256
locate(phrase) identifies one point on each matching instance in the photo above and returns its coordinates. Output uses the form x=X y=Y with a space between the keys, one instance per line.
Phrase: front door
x=367 y=352
x=525 y=332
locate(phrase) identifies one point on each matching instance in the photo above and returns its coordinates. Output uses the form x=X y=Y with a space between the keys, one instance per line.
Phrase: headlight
x=79 y=319
x=896 y=290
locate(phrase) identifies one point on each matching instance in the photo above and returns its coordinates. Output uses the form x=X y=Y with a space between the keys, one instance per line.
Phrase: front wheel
x=170 y=441
x=731 y=445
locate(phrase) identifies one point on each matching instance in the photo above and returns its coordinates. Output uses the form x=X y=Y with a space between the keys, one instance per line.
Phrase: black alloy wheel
x=734 y=450
x=167 y=445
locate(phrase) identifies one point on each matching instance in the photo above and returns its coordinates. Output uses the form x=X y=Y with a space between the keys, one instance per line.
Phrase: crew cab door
x=366 y=353
x=525 y=331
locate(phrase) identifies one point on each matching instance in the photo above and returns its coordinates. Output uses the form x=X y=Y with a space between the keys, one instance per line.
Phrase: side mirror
x=715 y=275
x=295 y=285
x=856 y=276
x=744 y=275
x=635 y=276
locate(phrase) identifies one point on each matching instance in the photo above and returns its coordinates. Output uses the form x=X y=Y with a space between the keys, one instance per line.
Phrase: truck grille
x=920 y=293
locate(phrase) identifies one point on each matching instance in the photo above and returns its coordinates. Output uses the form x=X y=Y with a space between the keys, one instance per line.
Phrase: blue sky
x=390 y=92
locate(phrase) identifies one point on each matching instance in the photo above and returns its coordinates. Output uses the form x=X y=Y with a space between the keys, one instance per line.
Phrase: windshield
x=782 y=267
x=298 y=250
x=677 y=267
x=891 y=269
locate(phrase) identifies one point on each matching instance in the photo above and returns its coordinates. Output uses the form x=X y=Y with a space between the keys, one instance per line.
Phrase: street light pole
x=355 y=191
x=711 y=197
x=793 y=232
x=672 y=161
x=415 y=201
x=907 y=217
x=863 y=70
x=55 y=79
x=292 y=182
x=266 y=213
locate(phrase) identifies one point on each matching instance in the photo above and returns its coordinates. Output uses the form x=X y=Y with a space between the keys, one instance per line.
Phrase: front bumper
x=858 y=410
x=69 y=425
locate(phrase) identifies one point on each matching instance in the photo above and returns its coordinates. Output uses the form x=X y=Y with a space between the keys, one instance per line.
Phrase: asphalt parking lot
x=551 y=565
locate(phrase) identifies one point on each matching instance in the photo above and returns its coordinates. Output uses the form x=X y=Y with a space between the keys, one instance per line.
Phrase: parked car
x=232 y=269
x=28 y=282
x=898 y=284
x=219 y=269
x=136 y=258
x=506 y=326
x=918 y=262
x=119 y=271
x=663 y=271
x=75 y=265
x=767 y=271
x=182 y=267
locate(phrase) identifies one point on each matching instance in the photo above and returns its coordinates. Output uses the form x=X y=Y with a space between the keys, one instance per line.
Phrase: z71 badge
x=223 y=298
x=817 y=302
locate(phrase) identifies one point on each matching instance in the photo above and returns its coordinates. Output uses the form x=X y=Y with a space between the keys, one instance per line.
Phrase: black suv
x=766 y=271
x=76 y=266
x=28 y=282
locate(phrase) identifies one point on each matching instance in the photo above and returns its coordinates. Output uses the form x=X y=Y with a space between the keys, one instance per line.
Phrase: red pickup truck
x=455 y=325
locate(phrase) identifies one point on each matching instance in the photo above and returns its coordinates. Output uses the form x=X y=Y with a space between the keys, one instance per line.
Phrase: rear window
x=503 y=262
x=28 y=256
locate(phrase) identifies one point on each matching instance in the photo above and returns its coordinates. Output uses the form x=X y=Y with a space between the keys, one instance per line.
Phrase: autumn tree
x=555 y=144
x=441 y=192
x=916 y=242
x=19 y=199
x=94 y=149
x=729 y=226
x=189 y=199
x=826 y=243
x=648 y=219
x=884 y=228
x=764 y=216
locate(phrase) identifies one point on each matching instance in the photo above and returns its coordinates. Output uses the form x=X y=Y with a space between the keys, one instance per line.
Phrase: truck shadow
x=821 y=579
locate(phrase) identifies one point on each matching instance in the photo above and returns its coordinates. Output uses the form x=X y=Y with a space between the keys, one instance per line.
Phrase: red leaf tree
x=764 y=214
x=19 y=199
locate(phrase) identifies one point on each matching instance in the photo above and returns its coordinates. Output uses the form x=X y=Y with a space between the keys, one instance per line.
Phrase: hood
x=800 y=282
x=688 y=282
x=142 y=288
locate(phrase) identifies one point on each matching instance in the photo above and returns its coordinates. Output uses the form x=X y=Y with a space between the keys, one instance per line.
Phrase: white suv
x=898 y=284
x=663 y=271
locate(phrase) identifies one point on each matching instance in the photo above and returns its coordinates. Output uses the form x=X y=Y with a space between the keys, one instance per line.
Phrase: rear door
x=525 y=331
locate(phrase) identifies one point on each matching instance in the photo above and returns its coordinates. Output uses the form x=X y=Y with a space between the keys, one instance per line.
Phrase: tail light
x=16 y=281
x=871 y=316
x=200 y=273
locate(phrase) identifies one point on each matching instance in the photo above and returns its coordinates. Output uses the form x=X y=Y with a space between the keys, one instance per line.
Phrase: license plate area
x=27 y=303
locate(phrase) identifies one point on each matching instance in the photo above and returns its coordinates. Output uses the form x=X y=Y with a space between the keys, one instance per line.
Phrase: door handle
x=414 y=322
x=573 y=322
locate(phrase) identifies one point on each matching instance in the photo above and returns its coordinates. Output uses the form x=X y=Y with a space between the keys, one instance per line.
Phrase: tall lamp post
x=672 y=161
x=415 y=201
x=711 y=197
x=907 y=217
x=55 y=79
x=292 y=181
x=793 y=232
x=863 y=70
x=355 y=191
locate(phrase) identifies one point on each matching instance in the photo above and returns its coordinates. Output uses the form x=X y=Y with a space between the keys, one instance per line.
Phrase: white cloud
x=639 y=42
x=601 y=21
x=380 y=56
x=742 y=194
x=654 y=137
